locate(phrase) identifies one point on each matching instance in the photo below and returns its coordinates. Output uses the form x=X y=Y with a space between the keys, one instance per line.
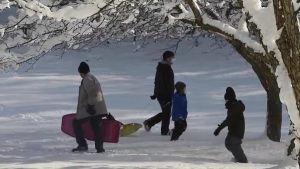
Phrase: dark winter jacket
x=235 y=119
x=179 y=111
x=164 y=81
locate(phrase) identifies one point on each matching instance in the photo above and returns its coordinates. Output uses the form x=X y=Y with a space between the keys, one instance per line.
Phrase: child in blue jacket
x=179 y=111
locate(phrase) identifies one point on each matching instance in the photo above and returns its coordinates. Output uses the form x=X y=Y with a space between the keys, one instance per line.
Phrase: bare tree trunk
x=285 y=60
x=269 y=83
x=264 y=66
x=274 y=105
x=274 y=116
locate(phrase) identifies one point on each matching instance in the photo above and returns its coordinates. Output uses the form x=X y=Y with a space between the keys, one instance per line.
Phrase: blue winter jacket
x=179 y=110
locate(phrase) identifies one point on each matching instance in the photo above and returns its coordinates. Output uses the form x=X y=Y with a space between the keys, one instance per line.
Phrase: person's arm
x=185 y=108
x=224 y=123
x=222 y=126
x=169 y=81
x=157 y=83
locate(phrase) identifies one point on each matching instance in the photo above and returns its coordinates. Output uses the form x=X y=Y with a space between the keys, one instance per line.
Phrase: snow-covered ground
x=32 y=103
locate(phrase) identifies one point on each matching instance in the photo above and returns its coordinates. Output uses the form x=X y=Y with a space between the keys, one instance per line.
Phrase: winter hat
x=83 y=68
x=168 y=54
x=230 y=94
x=180 y=86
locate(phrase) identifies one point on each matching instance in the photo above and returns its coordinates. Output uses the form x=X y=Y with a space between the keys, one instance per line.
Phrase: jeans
x=96 y=126
x=234 y=145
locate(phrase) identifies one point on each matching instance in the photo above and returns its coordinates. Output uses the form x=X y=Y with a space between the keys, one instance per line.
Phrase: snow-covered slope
x=33 y=102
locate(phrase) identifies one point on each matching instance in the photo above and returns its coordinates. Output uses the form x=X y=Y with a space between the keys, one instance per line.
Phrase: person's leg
x=228 y=143
x=166 y=115
x=96 y=124
x=184 y=125
x=155 y=119
x=237 y=150
x=178 y=130
x=79 y=135
x=175 y=132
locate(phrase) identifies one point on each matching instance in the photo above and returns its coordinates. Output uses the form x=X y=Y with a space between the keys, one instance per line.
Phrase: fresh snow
x=33 y=101
x=132 y=17
x=240 y=34
x=2 y=31
x=296 y=4
x=270 y=34
x=264 y=18
x=69 y=13
x=4 y=4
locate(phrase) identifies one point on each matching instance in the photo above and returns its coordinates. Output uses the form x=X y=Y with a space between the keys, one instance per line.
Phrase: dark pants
x=96 y=126
x=234 y=145
x=180 y=127
x=163 y=117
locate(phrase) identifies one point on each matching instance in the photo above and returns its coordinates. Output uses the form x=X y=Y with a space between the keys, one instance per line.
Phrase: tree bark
x=289 y=46
x=264 y=66
x=274 y=116
x=268 y=80
x=274 y=105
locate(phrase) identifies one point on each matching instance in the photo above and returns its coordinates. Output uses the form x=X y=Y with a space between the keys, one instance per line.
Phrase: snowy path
x=32 y=103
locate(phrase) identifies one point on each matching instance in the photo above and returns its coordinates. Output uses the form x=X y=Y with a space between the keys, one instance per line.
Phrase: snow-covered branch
x=224 y=29
x=296 y=4
x=267 y=26
x=116 y=20
x=79 y=11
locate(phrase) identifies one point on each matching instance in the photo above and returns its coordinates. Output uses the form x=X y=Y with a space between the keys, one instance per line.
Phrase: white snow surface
x=33 y=102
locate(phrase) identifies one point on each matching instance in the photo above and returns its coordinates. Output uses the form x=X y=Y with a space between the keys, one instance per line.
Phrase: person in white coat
x=91 y=106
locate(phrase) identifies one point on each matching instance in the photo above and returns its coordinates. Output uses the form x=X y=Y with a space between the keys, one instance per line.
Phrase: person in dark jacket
x=91 y=106
x=236 y=126
x=179 y=111
x=163 y=92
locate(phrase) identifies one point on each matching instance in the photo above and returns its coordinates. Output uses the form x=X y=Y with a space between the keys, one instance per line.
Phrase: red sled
x=110 y=128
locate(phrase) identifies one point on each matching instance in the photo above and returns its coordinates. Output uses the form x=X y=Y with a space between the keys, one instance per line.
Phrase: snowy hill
x=32 y=103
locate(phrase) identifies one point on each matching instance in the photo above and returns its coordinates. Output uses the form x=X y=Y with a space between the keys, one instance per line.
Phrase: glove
x=110 y=117
x=91 y=109
x=217 y=131
x=153 y=97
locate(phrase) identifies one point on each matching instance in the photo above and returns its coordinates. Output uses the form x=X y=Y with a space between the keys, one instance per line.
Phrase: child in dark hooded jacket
x=179 y=111
x=235 y=122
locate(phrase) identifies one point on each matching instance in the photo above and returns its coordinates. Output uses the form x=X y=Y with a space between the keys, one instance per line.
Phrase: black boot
x=101 y=150
x=80 y=149
x=146 y=126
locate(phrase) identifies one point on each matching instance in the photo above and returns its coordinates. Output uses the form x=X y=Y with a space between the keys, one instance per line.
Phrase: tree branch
x=222 y=29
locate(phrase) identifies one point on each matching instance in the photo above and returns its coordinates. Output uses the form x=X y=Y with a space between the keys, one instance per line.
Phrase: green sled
x=129 y=129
